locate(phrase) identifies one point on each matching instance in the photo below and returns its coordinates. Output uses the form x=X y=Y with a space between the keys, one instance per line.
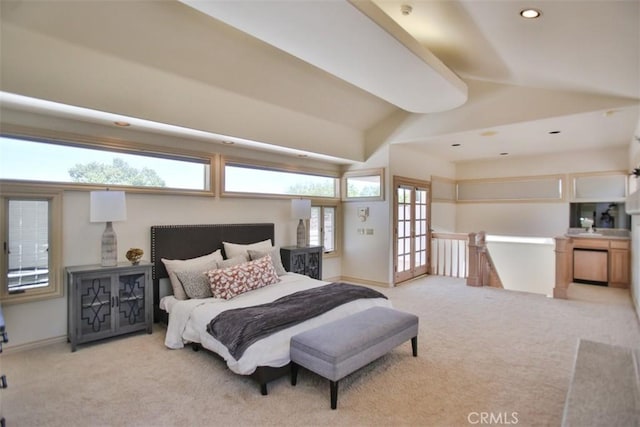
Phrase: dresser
x=108 y=301
x=305 y=260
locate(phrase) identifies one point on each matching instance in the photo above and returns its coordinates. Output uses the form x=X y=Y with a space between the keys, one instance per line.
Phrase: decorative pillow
x=232 y=250
x=195 y=282
x=229 y=282
x=274 y=252
x=173 y=265
x=232 y=261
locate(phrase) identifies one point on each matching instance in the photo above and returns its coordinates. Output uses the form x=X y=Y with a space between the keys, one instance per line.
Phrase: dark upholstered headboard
x=190 y=241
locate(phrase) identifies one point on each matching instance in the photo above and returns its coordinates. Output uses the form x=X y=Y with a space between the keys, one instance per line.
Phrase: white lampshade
x=107 y=206
x=300 y=208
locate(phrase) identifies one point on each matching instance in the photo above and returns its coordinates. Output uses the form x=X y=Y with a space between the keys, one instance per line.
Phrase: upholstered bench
x=337 y=349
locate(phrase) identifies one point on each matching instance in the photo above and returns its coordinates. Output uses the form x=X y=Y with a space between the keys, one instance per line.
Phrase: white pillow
x=173 y=265
x=232 y=250
x=230 y=262
x=274 y=251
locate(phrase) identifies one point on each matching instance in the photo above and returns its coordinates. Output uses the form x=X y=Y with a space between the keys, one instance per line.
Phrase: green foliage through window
x=117 y=173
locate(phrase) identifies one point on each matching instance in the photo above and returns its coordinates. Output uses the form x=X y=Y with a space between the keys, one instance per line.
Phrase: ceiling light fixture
x=530 y=13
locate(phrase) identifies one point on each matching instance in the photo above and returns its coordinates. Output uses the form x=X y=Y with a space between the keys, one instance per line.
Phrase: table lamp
x=108 y=206
x=301 y=210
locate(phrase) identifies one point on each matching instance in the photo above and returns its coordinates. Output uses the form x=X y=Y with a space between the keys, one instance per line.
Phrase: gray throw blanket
x=238 y=328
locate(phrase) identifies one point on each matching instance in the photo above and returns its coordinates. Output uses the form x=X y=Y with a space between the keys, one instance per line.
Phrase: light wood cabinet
x=602 y=260
x=619 y=267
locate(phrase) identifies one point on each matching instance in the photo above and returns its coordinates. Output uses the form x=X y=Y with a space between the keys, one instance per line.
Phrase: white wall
x=524 y=266
x=526 y=218
x=367 y=256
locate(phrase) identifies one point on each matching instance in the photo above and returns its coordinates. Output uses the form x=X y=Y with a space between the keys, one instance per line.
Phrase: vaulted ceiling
x=575 y=70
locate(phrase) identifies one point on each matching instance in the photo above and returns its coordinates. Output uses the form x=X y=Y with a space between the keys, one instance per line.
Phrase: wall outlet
x=369 y=231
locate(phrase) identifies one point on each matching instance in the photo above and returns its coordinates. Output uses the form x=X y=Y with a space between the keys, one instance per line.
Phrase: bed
x=187 y=320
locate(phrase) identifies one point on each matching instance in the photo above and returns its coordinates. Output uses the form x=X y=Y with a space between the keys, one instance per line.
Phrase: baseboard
x=363 y=281
x=34 y=344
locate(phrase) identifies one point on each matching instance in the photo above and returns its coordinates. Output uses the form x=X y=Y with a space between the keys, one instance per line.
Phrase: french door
x=412 y=237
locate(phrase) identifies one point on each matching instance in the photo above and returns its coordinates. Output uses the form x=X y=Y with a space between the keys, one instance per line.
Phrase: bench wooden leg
x=294 y=373
x=414 y=346
x=333 y=386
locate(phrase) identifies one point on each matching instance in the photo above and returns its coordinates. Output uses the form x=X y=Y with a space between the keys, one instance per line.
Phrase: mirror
x=603 y=214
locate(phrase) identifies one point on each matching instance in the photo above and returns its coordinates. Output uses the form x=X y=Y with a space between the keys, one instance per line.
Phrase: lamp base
x=109 y=247
x=301 y=236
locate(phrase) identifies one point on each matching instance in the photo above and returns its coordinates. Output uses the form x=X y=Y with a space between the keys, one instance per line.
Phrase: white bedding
x=188 y=320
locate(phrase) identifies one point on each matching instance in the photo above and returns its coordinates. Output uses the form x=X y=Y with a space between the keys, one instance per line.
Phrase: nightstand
x=305 y=260
x=108 y=301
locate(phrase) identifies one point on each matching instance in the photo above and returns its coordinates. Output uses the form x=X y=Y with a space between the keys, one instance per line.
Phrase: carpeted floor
x=504 y=354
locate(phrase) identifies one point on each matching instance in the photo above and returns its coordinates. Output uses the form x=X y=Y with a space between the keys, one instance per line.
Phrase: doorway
x=412 y=225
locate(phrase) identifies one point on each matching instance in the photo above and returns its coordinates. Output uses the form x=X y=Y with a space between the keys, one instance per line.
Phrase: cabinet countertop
x=597 y=236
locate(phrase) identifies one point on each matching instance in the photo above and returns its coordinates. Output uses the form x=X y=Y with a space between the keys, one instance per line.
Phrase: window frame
x=344 y=184
x=276 y=167
x=22 y=191
x=117 y=146
x=337 y=239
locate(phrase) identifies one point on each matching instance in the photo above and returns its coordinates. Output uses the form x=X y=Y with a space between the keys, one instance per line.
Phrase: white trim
x=34 y=344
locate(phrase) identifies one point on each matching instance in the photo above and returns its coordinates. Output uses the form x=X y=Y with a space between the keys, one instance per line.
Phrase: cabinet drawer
x=591 y=244
x=620 y=244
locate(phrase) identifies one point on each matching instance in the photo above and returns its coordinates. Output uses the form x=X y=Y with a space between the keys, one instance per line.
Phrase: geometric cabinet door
x=108 y=301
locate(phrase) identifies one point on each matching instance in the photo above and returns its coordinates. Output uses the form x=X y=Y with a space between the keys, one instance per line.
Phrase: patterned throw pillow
x=195 y=282
x=227 y=283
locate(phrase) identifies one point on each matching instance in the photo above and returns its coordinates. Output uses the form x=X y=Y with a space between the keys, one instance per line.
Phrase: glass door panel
x=95 y=311
x=412 y=229
x=131 y=299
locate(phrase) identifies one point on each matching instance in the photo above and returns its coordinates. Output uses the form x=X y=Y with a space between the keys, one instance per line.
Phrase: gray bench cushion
x=336 y=349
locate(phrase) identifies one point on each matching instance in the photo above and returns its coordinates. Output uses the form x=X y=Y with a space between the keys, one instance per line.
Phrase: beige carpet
x=481 y=350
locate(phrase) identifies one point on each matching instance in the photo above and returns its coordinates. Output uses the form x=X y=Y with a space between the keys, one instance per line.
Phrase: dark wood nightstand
x=305 y=260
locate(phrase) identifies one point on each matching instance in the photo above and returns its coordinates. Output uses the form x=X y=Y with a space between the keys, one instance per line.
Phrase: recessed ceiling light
x=504 y=154
x=455 y=145
x=489 y=133
x=554 y=132
x=530 y=13
x=122 y=124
